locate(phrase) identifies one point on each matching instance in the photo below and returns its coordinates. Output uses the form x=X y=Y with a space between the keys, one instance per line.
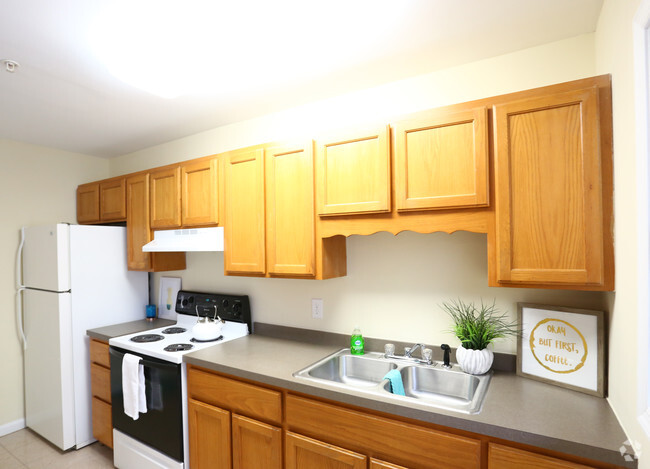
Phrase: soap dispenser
x=356 y=342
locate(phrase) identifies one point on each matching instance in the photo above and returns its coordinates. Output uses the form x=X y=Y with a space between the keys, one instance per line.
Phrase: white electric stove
x=172 y=342
x=161 y=433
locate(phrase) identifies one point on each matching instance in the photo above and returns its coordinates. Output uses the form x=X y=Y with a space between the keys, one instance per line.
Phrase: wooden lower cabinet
x=377 y=464
x=255 y=445
x=247 y=425
x=209 y=434
x=100 y=385
x=303 y=453
x=505 y=457
x=391 y=440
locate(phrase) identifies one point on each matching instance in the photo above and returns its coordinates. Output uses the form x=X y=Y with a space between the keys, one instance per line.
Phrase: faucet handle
x=427 y=354
x=389 y=349
x=407 y=352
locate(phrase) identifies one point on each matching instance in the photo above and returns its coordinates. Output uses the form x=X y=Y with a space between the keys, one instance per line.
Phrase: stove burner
x=174 y=330
x=178 y=347
x=147 y=338
x=204 y=341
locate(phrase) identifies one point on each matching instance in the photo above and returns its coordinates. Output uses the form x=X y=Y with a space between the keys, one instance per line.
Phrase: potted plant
x=476 y=328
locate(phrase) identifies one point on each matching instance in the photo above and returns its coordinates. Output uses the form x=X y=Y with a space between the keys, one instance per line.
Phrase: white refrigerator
x=74 y=278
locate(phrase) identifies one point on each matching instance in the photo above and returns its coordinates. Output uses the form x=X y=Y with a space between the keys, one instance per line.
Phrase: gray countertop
x=515 y=408
x=108 y=332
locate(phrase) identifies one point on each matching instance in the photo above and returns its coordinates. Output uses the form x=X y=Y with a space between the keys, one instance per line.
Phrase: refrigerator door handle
x=20 y=287
x=19 y=316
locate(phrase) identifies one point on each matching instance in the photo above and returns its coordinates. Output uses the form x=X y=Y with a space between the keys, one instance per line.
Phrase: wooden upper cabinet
x=88 y=203
x=199 y=192
x=138 y=231
x=165 y=187
x=353 y=173
x=102 y=201
x=441 y=160
x=290 y=210
x=245 y=225
x=112 y=198
x=549 y=191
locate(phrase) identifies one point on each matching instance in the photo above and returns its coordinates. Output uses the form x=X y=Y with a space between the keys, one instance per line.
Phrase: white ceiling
x=63 y=97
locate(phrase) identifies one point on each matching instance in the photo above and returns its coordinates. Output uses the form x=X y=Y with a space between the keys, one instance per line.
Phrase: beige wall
x=549 y=64
x=614 y=46
x=38 y=186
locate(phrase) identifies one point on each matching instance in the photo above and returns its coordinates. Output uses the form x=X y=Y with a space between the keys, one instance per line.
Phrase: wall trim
x=641 y=31
x=11 y=427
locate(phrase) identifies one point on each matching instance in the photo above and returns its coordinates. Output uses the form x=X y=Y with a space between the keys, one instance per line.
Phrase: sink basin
x=352 y=370
x=425 y=386
x=439 y=384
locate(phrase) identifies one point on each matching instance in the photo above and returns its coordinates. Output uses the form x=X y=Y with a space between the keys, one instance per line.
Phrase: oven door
x=161 y=427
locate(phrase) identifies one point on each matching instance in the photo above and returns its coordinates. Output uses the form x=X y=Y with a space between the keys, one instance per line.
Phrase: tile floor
x=25 y=449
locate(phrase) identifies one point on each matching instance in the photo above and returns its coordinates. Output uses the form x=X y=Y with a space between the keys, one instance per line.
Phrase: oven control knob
x=236 y=308
x=184 y=302
x=225 y=303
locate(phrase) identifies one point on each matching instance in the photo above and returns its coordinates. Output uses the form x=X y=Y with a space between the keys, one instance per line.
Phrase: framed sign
x=562 y=346
x=169 y=287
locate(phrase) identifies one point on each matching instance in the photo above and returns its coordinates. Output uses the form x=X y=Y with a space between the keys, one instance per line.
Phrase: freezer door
x=49 y=382
x=46 y=257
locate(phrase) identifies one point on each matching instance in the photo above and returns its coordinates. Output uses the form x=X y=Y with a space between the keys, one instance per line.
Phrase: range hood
x=187 y=240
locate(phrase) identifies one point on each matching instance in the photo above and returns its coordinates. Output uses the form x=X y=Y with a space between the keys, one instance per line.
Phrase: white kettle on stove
x=207 y=328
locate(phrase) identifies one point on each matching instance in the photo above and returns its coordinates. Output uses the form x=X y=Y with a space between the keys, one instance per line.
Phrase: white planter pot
x=474 y=362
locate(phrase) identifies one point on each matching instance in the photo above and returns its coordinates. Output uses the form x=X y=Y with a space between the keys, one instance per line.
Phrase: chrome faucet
x=389 y=352
x=408 y=351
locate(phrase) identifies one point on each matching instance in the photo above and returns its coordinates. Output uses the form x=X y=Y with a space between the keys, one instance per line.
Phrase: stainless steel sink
x=425 y=386
x=352 y=370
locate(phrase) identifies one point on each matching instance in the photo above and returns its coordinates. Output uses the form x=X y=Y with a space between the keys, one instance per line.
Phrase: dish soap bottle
x=356 y=342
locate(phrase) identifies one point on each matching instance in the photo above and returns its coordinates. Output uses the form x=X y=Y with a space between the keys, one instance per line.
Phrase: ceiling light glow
x=172 y=48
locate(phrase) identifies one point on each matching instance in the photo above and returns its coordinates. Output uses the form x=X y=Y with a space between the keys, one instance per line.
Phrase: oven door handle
x=144 y=361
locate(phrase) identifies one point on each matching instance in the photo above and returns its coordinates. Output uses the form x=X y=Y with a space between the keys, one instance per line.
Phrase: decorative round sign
x=558 y=346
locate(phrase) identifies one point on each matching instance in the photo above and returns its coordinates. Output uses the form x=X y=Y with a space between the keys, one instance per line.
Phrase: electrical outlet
x=317 y=308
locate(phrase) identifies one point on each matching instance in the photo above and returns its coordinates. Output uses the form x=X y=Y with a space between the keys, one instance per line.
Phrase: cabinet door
x=377 y=464
x=290 y=210
x=112 y=196
x=102 y=421
x=209 y=436
x=138 y=232
x=303 y=452
x=88 y=203
x=353 y=173
x=199 y=193
x=165 y=198
x=549 y=207
x=404 y=443
x=244 y=228
x=441 y=161
x=255 y=445
x=503 y=457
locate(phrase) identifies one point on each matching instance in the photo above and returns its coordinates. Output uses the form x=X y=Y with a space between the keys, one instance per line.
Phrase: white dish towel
x=135 y=401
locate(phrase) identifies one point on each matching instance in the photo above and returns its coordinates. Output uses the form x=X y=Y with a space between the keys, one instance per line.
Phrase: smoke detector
x=10 y=65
